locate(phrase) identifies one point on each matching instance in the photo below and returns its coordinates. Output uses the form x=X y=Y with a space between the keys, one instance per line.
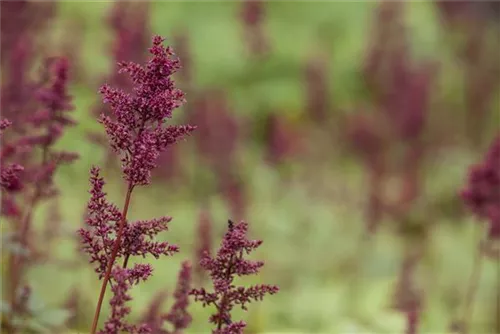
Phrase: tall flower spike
x=223 y=268
x=137 y=133
x=137 y=130
x=204 y=243
x=9 y=173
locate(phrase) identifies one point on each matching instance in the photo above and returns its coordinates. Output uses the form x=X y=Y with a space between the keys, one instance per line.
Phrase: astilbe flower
x=43 y=128
x=218 y=138
x=482 y=196
x=33 y=147
x=217 y=141
x=252 y=15
x=138 y=134
x=102 y=222
x=204 y=242
x=178 y=316
x=48 y=125
x=316 y=84
x=124 y=279
x=152 y=317
x=40 y=131
x=223 y=268
x=482 y=193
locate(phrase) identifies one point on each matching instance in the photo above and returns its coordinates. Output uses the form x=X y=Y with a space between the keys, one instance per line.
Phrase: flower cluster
x=124 y=279
x=28 y=154
x=102 y=221
x=38 y=132
x=136 y=132
x=152 y=316
x=32 y=145
x=400 y=90
x=223 y=268
x=9 y=173
x=23 y=26
x=204 y=242
x=47 y=126
x=178 y=315
x=482 y=193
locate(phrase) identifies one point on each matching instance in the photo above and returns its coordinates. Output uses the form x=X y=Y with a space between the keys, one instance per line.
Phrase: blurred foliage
x=311 y=221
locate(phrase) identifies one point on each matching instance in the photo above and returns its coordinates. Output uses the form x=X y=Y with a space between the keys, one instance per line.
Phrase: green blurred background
x=308 y=208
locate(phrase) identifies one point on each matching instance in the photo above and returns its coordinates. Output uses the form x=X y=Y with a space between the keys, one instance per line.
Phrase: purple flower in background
x=178 y=316
x=23 y=26
x=252 y=14
x=204 y=242
x=102 y=221
x=482 y=193
x=102 y=217
x=223 y=268
x=218 y=140
x=20 y=19
x=152 y=317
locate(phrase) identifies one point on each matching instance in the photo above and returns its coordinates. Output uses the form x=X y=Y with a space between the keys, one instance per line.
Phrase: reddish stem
x=222 y=305
x=116 y=247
